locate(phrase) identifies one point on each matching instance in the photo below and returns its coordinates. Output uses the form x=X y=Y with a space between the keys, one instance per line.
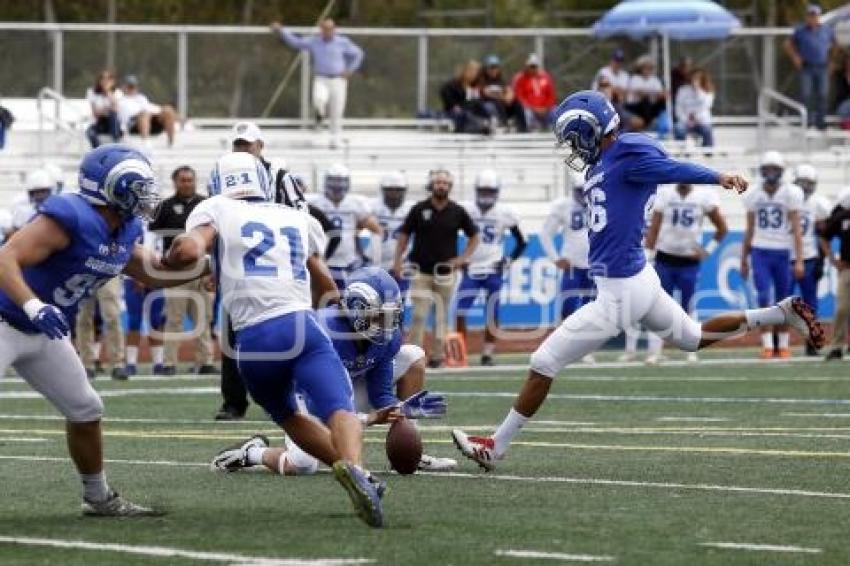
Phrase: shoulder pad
x=69 y=210
x=637 y=143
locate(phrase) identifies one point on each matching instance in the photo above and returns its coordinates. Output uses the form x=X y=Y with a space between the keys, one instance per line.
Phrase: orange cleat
x=784 y=353
x=766 y=354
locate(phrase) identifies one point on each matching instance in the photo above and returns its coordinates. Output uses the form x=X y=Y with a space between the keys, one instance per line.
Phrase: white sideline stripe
x=824 y=415
x=124 y=392
x=22 y=439
x=509 y=478
x=765 y=547
x=692 y=419
x=166 y=552
x=553 y=556
x=656 y=398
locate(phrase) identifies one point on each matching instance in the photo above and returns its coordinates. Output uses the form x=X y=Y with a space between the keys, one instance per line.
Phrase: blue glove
x=52 y=322
x=423 y=405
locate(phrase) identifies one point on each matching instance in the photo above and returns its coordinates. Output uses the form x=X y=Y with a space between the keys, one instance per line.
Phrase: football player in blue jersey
x=75 y=243
x=366 y=332
x=623 y=172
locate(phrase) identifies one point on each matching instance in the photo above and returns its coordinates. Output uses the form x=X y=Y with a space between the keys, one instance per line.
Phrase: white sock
x=95 y=488
x=764 y=317
x=157 y=354
x=488 y=348
x=767 y=340
x=132 y=354
x=632 y=336
x=506 y=432
x=654 y=343
x=255 y=455
x=784 y=340
x=95 y=349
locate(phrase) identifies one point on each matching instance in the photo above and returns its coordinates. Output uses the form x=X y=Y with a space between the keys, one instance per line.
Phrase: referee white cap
x=246 y=131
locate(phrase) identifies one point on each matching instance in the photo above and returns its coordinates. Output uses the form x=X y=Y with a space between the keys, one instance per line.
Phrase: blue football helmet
x=372 y=302
x=581 y=121
x=120 y=177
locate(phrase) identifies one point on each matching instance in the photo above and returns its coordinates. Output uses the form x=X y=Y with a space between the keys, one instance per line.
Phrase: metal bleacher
x=533 y=176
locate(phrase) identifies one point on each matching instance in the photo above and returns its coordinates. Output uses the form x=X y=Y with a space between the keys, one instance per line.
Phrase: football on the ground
x=404 y=446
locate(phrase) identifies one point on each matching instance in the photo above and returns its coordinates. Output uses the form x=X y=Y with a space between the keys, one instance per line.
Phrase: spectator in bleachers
x=6 y=120
x=842 y=91
x=645 y=98
x=615 y=76
x=334 y=58
x=192 y=298
x=107 y=299
x=138 y=115
x=103 y=98
x=497 y=97
x=680 y=75
x=434 y=224
x=838 y=226
x=629 y=122
x=693 y=108
x=535 y=91
x=462 y=101
x=809 y=48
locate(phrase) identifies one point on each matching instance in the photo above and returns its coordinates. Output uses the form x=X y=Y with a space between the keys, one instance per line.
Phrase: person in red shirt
x=535 y=90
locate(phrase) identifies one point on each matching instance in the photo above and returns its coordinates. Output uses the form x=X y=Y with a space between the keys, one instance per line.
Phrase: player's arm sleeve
x=316 y=240
x=379 y=385
x=294 y=41
x=662 y=169
x=521 y=243
x=206 y=212
x=551 y=227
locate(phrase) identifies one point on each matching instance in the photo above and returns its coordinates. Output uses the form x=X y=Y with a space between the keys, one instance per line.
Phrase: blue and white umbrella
x=684 y=20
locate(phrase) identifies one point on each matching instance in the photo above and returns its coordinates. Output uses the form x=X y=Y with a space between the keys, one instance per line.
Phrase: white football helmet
x=240 y=175
x=336 y=182
x=806 y=177
x=39 y=185
x=771 y=167
x=393 y=189
x=487 y=187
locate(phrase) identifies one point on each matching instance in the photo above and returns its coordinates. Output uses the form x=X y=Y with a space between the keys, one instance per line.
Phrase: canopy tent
x=839 y=19
x=683 y=20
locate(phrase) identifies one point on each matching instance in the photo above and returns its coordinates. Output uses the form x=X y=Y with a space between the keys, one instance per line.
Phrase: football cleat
x=116 y=506
x=131 y=369
x=783 y=353
x=363 y=492
x=479 y=449
x=804 y=319
x=766 y=354
x=627 y=357
x=589 y=359
x=692 y=357
x=432 y=464
x=654 y=359
x=236 y=457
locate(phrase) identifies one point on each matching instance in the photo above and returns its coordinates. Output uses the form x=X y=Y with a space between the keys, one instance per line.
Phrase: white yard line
x=167 y=552
x=821 y=415
x=535 y=554
x=22 y=439
x=762 y=547
x=124 y=392
x=656 y=398
x=692 y=419
x=514 y=478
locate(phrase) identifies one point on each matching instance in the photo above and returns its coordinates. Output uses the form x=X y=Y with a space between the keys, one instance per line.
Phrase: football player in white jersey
x=773 y=233
x=568 y=217
x=488 y=262
x=391 y=209
x=39 y=186
x=349 y=214
x=813 y=215
x=268 y=261
x=675 y=235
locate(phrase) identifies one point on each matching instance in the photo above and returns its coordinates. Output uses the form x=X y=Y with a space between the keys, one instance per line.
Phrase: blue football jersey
x=94 y=256
x=619 y=191
x=374 y=365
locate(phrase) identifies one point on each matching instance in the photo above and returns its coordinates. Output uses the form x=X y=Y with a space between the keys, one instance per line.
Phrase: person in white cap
x=773 y=231
x=535 y=90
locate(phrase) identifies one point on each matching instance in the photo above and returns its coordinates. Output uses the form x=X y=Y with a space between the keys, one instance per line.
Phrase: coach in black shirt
x=434 y=224
x=838 y=226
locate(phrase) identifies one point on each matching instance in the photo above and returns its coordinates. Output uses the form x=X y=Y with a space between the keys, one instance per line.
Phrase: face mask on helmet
x=393 y=196
x=371 y=318
x=807 y=185
x=39 y=195
x=579 y=139
x=771 y=174
x=486 y=197
x=336 y=188
x=131 y=189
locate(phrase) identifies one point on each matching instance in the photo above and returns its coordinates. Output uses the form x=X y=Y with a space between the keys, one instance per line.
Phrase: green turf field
x=630 y=465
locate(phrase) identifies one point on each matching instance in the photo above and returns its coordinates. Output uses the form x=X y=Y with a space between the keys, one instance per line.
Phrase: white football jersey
x=21 y=214
x=491 y=232
x=815 y=208
x=345 y=217
x=772 y=230
x=262 y=256
x=390 y=221
x=682 y=219
x=568 y=217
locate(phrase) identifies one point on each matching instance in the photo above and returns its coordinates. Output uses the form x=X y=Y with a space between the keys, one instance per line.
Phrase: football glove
x=423 y=405
x=51 y=322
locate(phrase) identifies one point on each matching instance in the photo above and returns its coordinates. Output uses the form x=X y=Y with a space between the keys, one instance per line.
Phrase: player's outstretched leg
x=236 y=456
